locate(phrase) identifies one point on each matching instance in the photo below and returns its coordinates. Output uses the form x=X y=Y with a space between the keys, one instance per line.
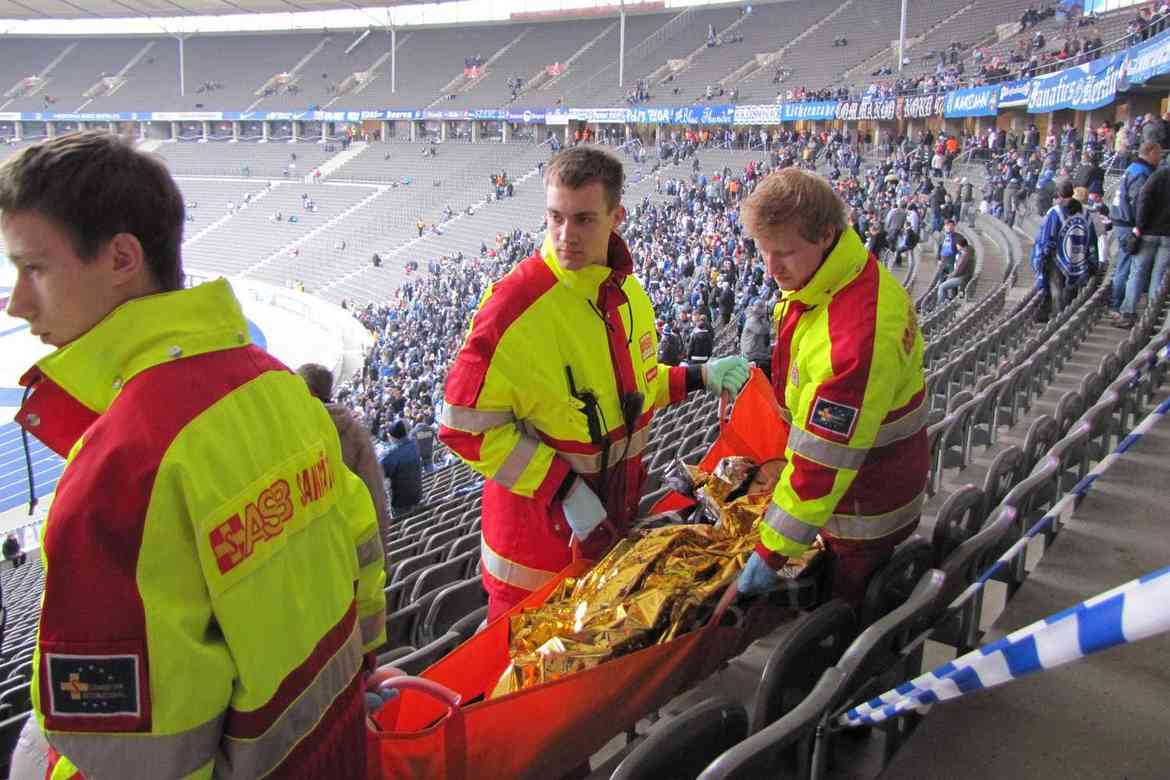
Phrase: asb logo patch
x=93 y=685
x=234 y=539
x=265 y=516
x=833 y=417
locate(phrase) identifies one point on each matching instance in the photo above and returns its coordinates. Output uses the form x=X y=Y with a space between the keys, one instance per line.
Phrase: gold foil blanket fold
x=650 y=588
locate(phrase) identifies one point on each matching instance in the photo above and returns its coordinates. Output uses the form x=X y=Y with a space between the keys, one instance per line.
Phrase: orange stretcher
x=443 y=725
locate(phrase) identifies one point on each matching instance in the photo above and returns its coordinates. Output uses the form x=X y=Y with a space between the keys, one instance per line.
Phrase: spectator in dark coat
x=670 y=346
x=1089 y=174
x=701 y=343
x=755 y=343
x=12 y=552
x=423 y=434
x=403 y=467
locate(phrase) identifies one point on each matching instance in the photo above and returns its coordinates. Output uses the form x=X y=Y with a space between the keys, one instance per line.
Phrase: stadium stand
x=1020 y=410
x=684 y=38
x=527 y=58
x=813 y=62
x=272 y=160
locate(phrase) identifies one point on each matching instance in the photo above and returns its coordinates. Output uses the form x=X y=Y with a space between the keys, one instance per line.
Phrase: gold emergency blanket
x=650 y=588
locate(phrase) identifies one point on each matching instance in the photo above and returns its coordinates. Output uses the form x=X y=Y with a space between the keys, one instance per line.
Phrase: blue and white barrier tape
x=1128 y=613
x=974 y=671
x=1081 y=489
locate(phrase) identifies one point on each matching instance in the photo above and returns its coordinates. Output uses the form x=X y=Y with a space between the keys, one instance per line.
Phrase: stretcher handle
x=726 y=405
x=441 y=692
x=725 y=601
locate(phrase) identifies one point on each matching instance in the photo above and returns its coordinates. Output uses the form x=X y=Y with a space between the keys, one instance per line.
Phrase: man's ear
x=128 y=259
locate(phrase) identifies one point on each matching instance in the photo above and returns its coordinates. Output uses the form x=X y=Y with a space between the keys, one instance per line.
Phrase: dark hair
x=319 y=379
x=580 y=166
x=95 y=185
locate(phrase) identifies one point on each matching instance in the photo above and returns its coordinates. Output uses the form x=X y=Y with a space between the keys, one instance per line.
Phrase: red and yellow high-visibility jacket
x=213 y=573
x=847 y=371
x=512 y=416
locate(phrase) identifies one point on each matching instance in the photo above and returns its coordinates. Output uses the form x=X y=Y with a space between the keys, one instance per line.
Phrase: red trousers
x=502 y=598
x=854 y=560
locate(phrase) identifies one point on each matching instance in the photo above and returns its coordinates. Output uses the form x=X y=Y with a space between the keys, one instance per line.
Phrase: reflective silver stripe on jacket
x=370 y=551
x=518 y=459
x=823 y=451
x=511 y=573
x=591 y=464
x=371 y=626
x=790 y=526
x=842 y=456
x=471 y=420
x=875 y=526
x=844 y=526
x=904 y=427
x=251 y=758
x=140 y=756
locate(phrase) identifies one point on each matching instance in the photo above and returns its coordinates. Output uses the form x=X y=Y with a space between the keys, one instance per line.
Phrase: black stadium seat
x=423 y=657
x=679 y=748
x=451 y=605
x=809 y=646
x=404 y=568
x=467 y=542
x=442 y=574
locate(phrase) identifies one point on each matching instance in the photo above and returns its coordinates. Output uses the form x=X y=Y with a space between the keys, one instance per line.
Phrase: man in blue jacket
x=402 y=465
x=1124 y=215
x=1065 y=252
x=947 y=247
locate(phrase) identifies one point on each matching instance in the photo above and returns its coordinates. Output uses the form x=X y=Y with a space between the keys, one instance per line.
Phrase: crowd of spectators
x=701 y=272
x=1078 y=41
x=418 y=333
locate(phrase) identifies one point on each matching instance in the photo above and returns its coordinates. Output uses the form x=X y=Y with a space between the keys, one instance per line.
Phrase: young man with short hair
x=213 y=574
x=847 y=373
x=552 y=395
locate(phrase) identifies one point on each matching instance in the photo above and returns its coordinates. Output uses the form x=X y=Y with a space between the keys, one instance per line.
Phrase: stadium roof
x=107 y=9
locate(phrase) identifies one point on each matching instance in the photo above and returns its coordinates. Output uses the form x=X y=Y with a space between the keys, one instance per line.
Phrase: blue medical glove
x=726 y=375
x=757 y=577
x=583 y=509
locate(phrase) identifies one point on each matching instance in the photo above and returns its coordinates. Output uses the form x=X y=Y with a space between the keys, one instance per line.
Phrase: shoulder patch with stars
x=94 y=686
x=832 y=417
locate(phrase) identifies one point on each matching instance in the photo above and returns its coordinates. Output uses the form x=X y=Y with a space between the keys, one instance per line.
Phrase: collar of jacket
x=840 y=268
x=70 y=387
x=587 y=281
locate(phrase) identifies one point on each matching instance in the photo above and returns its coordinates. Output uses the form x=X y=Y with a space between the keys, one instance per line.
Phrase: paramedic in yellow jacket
x=552 y=393
x=213 y=574
x=847 y=373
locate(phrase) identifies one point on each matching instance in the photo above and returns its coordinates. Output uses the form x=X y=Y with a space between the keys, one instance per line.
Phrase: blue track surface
x=13 y=477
